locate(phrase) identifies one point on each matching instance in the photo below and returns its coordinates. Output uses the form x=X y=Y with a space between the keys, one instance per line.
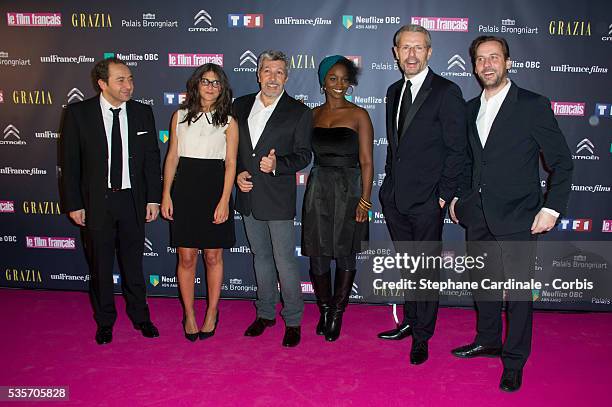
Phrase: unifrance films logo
x=455 y=24
x=193 y=60
x=567 y=108
x=46 y=242
x=19 y=19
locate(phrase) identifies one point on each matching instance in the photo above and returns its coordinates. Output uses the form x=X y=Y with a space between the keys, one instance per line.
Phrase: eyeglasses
x=205 y=82
x=418 y=49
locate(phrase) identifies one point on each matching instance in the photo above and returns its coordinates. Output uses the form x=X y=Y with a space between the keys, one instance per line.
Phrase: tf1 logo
x=576 y=225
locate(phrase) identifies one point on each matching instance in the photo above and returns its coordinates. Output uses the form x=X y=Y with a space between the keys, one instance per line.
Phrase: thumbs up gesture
x=268 y=163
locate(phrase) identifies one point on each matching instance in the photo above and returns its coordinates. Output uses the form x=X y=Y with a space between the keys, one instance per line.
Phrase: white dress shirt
x=488 y=111
x=259 y=116
x=107 y=116
x=415 y=86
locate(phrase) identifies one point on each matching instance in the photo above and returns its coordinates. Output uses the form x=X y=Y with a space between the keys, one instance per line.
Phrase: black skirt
x=329 y=227
x=197 y=188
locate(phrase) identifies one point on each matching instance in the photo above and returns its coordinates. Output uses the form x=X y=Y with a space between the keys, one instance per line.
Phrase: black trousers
x=507 y=257
x=418 y=233
x=122 y=234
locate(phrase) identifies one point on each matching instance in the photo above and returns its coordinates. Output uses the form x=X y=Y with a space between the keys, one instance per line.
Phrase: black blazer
x=506 y=171
x=427 y=160
x=84 y=160
x=288 y=131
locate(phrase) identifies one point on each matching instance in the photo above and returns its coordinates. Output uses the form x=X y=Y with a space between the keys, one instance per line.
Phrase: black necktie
x=405 y=104
x=116 y=156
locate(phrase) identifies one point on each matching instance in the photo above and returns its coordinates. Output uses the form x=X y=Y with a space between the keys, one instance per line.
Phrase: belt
x=336 y=162
x=117 y=189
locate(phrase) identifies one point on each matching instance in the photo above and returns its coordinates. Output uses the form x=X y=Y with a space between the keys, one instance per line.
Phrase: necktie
x=405 y=104
x=116 y=155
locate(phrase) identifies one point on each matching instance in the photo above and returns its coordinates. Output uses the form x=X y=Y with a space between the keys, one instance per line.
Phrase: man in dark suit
x=274 y=144
x=500 y=200
x=426 y=133
x=111 y=184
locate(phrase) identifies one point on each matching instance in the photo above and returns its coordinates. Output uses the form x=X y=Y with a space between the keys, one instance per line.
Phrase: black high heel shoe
x=206 y=335
x=190 y=337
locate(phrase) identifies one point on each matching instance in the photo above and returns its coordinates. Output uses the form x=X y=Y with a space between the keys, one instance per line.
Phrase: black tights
x=319 y=265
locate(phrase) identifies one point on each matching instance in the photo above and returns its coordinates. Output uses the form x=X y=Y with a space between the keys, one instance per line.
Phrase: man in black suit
x=274 y=144
x=426 y=134
x=111 y=184
x=500 y=200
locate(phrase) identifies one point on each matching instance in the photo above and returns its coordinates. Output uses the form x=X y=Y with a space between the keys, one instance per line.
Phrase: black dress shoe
x=474 y=350
x=148 y=329
x=419 y=353
x=260 y=325
x=104 y=334
x=190 y=337
x=292 y=336
x=205 y=335
x=401 y=332
x=511 y=380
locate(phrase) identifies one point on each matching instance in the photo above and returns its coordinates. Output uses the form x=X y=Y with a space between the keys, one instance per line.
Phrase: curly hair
x=223 y=105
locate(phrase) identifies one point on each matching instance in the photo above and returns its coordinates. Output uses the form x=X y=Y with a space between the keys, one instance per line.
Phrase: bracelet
x=365 y=204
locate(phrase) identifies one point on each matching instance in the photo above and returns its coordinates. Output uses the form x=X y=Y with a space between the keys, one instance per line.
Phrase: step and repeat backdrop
x=561 y=49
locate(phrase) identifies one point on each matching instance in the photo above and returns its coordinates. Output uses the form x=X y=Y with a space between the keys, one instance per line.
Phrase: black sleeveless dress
x=329 y=227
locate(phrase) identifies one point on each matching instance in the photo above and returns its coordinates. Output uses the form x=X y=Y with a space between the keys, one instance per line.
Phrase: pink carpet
x=48 y=340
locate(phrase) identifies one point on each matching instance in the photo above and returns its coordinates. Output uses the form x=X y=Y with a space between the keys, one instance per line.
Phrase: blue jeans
x=273 y=246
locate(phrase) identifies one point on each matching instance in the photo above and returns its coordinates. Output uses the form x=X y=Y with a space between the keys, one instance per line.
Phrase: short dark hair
x=485 y=38
x=100 y=71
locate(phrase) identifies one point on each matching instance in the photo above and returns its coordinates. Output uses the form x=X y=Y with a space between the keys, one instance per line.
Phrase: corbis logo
x=23 y=275
x=45 y=242
x=17 y=19
x=603 y=109
x=302 y=21
x=606 y=226
x=91 y=20
x=11 y=136
x=248 y=62
x=456 y=24
x=245 y=20
x=32 y=97
x=508 y=26
x=164 y=135
x=4 y=60
x=301 y=178
x=7 y=207
x=74 y=95
x=585 y=145
x=368 y=22
x=567 y=108
x=172 y=98
x=569 y=28
x=40 y=208
x=132 y=59
x=204 y=20
x=193 y=60
x=356 y=59
x=149 y=21
x=456 y=67
x=302 y=61
x=154 y=280
x=575 y=225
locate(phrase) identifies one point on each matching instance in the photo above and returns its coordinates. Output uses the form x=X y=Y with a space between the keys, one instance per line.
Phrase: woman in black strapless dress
x=337 y=199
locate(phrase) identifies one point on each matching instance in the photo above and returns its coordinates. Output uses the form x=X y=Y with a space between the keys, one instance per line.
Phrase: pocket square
x=140 y=133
